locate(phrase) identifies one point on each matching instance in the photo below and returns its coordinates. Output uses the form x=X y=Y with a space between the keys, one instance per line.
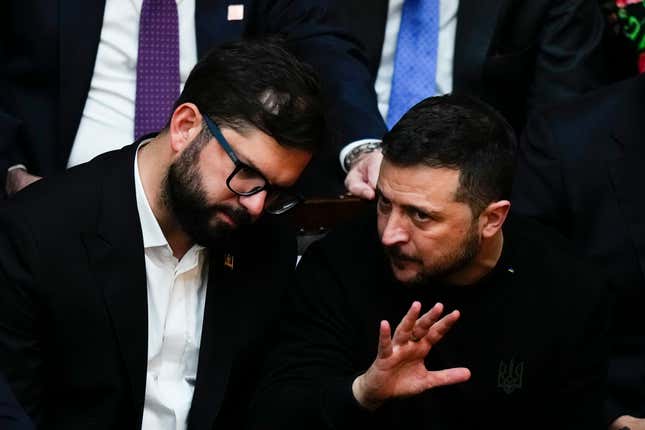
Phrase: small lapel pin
x=235 y=12
x=229 y=261
x=510 y=270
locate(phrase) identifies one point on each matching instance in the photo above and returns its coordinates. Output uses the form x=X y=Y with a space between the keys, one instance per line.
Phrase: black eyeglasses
x=247 y=181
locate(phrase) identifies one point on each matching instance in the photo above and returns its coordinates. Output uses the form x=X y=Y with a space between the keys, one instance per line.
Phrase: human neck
x=485 y=260
x=153 y=160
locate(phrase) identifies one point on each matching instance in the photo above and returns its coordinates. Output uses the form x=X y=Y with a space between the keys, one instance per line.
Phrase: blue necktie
x=415 y=61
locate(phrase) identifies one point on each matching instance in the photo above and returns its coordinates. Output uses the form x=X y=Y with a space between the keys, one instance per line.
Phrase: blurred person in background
x=515 y=55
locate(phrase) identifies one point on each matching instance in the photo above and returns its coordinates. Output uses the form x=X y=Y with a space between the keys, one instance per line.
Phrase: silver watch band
x=358 y=151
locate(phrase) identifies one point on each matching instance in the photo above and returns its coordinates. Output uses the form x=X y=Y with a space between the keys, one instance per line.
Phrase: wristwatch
x=358 y=151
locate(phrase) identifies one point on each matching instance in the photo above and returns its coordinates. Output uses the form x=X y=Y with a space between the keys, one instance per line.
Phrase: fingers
x=373 y=168
x=441 y=327
x=17 y=179
x=426 y=321
x=404 y=329
x=450 y=376
x=384 y=340
x=356 y=183
x=414 y=328
x=361 y=178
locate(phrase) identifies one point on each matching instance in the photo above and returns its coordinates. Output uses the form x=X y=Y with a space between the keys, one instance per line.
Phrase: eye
x=420 y=216
x=383 y=205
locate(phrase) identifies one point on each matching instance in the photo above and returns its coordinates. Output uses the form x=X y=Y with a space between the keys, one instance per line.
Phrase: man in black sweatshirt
x=523 y=341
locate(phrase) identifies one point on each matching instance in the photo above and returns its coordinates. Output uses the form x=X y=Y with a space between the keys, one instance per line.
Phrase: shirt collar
x=152 y=234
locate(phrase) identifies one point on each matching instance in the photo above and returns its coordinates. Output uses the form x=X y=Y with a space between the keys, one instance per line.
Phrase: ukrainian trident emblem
x=509 y=376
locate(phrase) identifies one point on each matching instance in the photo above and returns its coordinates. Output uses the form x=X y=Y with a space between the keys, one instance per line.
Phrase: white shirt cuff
x=17 y=166
x=346 y=150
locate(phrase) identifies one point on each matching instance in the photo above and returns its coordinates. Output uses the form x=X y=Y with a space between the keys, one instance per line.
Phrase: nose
x=395 y=231
x=254 y=204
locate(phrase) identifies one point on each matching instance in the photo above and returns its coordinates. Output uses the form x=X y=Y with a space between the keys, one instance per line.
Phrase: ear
x=492 y=218
x=185 y=126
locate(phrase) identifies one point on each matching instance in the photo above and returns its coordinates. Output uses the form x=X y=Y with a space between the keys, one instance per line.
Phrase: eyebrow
x=218 y=133
x=430 y=212
x=270 y=183
x=252 y=166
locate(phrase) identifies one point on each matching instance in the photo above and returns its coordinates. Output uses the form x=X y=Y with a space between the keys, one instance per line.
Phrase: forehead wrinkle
x=405 y=193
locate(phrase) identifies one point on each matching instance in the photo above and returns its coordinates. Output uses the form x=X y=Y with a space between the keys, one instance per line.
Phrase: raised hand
x=399 y=369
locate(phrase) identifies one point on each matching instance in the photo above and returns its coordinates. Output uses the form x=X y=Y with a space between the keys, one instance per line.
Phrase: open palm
x=399 y=369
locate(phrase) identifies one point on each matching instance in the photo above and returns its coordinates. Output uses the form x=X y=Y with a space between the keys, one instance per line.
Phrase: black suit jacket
x=48 y=49
x=73 y=304
x=514 y=54
x=12 y=417
x=581 y=170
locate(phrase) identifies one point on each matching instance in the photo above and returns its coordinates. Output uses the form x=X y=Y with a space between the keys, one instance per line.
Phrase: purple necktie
x=157 y=65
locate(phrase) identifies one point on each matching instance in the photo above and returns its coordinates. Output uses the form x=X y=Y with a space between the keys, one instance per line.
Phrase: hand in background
x=627 y=422
x=17 y=179
x=361 y=178
x=399 y=369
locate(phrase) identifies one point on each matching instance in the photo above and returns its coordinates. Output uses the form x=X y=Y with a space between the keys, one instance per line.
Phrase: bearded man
x=134 y=291
x=530 y=348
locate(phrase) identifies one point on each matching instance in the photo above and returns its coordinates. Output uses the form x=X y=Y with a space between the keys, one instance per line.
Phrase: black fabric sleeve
x=12 y=417
x=308 y=377
x=570 y=58
x=20 y=340
x=582 y=382
x=316 y=32
x=539 y=189
x=10 y=148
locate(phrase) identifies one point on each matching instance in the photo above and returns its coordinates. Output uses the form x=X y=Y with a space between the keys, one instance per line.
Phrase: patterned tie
x=415 y=61
x=157 y=65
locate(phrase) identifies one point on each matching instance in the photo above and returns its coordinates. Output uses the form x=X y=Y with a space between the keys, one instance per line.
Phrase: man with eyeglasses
x=136 y=291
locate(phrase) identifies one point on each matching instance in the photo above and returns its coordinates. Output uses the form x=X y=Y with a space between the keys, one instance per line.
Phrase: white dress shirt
x=445 y=54
x=176 y=300
x=108 y=116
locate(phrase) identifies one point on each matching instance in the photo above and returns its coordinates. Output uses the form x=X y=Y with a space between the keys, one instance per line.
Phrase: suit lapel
x=80 y=30
x=476 y=23
x=218 y=343
x=116 y=257
x=627 y=171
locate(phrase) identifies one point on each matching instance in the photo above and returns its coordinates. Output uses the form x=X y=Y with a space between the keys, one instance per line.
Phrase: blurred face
x=195 y=188
x=424 y=231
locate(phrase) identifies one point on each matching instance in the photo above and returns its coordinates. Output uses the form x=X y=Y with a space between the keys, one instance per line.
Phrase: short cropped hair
x=258 y=84
x=462 y=133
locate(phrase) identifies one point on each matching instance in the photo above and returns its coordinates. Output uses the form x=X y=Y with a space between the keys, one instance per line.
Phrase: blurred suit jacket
x=12 y=417
x=514 y=54
x=581 y=170
x=48 y=49
x=73 y=304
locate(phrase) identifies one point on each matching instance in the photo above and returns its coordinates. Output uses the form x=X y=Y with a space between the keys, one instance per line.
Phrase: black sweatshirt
x=533 y=332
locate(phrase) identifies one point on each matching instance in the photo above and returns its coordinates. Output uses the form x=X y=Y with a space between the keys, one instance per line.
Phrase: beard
x=184 y=195
x=444 y=266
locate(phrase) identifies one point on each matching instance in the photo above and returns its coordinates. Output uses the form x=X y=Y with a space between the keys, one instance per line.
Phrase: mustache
x=240 y=216
x=395 y=253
